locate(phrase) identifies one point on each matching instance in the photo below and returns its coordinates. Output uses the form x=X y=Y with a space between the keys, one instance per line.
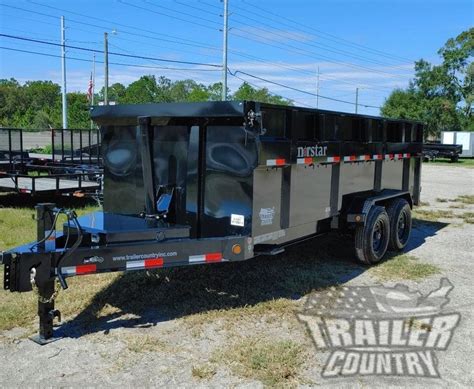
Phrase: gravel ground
x=152 y=351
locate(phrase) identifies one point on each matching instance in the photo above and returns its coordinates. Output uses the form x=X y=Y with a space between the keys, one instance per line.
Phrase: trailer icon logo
x=380 y=330
x=266 y=216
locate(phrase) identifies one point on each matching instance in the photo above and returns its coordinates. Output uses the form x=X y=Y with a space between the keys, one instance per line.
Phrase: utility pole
x=357 y=99
x=63 y=69
x=317 y=91
x=106 y=68
x=224 y=59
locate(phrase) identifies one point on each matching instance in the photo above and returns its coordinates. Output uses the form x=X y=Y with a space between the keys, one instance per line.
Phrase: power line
x=284 y=34
x=285 y=47
x=114 y=24
x=331 y=36
x=111 y=53
x=274 y=94
x=194 y=44
x=111 y=63
x=301 y=90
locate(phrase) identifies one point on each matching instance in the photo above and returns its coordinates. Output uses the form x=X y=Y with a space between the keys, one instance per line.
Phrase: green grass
x=231 y=292
x=432 y=214
x=275 y=363
x=19 y=309
x=464 y=199
x=203 y=372
x=463 y=162
x=403 y=267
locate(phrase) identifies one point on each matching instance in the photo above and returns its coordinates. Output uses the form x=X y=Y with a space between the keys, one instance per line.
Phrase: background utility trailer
x=73 y=167
x=199 y=183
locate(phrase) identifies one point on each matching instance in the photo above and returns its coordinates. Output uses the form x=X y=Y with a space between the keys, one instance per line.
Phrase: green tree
x=148 y=89
x=440 y=95
x=78 y=110
x=248 y=92
x=12 y=100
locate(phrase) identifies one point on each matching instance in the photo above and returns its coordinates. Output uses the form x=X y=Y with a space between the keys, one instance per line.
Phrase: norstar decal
x=312 y=151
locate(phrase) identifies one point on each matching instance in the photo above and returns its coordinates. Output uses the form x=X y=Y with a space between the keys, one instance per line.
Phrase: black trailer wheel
x=454 y=158
x=371 y=239
x=399 y=213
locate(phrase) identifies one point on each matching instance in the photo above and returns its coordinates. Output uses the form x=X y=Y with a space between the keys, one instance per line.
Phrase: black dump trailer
x=199 y=183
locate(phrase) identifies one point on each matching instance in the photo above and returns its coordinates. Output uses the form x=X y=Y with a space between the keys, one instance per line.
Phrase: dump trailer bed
x=201 y=183
x=431 y=151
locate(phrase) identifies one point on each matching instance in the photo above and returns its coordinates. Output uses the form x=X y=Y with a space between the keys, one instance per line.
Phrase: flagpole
x=93 y=86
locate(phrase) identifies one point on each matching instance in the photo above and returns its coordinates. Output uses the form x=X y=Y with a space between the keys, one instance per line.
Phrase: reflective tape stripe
x=304 y=161
x=78 y=270
x=145 y=264
x=350 y=158
x=334 y=159
x=377 y=156
x=406 y=155
x=364 y=157
x=388 y=156
x=211 y=257
x=275 y=162
x=398 y=156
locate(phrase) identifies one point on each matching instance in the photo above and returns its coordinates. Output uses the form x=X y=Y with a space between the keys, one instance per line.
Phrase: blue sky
x=370 y=45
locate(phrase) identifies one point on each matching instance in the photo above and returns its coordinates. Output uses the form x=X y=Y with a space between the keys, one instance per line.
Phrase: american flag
x=376 y=301
x=90 y=89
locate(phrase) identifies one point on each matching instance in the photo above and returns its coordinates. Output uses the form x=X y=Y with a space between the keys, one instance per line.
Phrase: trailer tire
x=372 y=238
x=399 y=213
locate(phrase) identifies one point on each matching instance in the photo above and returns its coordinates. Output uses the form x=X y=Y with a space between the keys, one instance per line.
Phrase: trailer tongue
x=198 y=183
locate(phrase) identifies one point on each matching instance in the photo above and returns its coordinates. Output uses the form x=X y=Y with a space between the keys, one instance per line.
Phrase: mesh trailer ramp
x=201 y=183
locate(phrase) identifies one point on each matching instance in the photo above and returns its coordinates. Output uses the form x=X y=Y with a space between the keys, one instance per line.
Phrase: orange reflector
x=236 y=249
x=78 y=194
x=358 y=218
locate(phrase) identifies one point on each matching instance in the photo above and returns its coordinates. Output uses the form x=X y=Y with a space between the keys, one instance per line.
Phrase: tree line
x=441 y=95
x=37 y=104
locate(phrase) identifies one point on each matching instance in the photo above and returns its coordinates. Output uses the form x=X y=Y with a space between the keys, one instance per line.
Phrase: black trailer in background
x=69 y=164
x=200 y=183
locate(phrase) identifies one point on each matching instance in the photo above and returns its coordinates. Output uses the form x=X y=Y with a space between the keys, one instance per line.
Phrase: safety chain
x=41 y=299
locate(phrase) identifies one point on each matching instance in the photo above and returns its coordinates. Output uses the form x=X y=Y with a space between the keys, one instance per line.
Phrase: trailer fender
x=358 y=206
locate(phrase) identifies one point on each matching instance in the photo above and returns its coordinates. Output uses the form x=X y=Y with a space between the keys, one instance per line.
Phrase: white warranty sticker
x=237 y=220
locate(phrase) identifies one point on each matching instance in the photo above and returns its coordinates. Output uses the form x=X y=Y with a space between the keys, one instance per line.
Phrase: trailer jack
x=46 y=290
x=46 y=314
